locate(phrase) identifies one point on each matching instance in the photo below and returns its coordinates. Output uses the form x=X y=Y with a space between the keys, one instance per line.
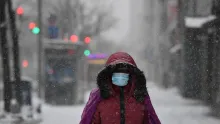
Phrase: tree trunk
x=5 y=58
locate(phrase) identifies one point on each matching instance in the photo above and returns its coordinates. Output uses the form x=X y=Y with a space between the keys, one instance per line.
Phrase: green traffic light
x=35 y=30
x=86 y=52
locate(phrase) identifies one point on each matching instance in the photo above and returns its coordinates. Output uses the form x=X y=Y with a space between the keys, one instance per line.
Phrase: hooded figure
x=121 y=96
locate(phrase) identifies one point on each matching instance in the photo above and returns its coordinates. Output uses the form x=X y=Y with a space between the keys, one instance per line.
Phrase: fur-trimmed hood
x=122 y=59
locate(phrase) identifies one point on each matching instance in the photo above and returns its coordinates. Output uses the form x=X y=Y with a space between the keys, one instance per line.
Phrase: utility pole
x=5 y=58
x=40 y=52
x=15 y=39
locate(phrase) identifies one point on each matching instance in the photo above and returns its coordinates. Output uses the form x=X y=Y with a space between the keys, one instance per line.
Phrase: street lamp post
x=5 y=57
x=16 y=55
x=40 y=52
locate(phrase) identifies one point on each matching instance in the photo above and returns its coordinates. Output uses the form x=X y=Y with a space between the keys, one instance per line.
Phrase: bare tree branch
x=85 y=21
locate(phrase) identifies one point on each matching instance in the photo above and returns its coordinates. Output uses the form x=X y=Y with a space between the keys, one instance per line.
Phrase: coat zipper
x=122 y=105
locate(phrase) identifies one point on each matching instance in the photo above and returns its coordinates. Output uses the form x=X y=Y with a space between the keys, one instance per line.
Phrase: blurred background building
x=176 y=42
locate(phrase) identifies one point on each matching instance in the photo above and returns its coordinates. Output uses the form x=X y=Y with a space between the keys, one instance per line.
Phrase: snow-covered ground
x=171 y=109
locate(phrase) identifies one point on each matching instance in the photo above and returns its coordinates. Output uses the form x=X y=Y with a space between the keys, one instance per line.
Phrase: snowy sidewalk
x=173 y=109
x=170 y=107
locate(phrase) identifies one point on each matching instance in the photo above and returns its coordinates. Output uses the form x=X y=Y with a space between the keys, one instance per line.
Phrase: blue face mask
x=120 y=79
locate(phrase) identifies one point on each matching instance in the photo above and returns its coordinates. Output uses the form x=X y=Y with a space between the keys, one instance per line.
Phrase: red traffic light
x=32 y=25
x=25 y=63
x=20 y=11
x=74 y=38
x=87 y=40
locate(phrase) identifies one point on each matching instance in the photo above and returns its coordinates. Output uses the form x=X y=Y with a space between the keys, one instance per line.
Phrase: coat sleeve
x=146 y=116
x=152 y=116
x=91 y=107
x=96 y=117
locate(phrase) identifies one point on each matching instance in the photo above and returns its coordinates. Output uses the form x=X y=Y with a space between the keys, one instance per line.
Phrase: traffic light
x=25 y=63
x=36 y=30
x=74 y=38
x=87 y=52
x=32 y=25
x=87 y=40
x=20 y=11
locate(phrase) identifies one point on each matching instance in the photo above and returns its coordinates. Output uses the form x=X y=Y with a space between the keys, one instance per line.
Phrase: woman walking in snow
x=121 y=96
